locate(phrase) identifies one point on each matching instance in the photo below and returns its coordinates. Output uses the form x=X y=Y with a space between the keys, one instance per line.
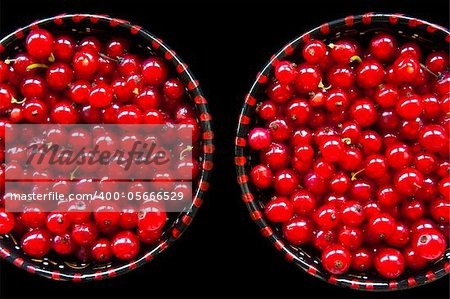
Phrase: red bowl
x=55 y=267
x=427 y=35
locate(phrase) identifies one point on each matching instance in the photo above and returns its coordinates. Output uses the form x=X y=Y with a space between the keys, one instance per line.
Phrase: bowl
x=424 y=33
x=80 y=24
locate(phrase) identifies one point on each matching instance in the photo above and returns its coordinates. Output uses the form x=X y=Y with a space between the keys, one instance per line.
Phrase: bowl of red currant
x=342 y=152
x=93 y=70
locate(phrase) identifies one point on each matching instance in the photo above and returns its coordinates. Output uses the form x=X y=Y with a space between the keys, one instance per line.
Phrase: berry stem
x=36 y=65
x=187 y=149
x=423 y=66
x=355 y=174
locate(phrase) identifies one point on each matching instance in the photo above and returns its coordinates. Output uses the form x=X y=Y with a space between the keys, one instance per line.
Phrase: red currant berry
x=433 y=138
x=398 y=156
x=285 y=72
x=304 y=202
x=407 y=181
x=327 y=216
x=344 y=51
x=285 y=182
x=389 y=263
x=400 y=236
x=336 y=259
x=383 y=47
x=261 y=176
x=437 y=62
x=59 y=75
x=85 y=64
x=154 y=71
x=7 y=221
x=429 y=243
x=381 y=225
x=298 y=231
x=369 y=73
x=308 y=78
x=412 y=260
x=85 y=233
x=129 y=114
x=64 y=48
x=279 y=209
x=259 y=138
x=101 y=250
x=125 y=245
x=363 y=112
x=63 y=244
x=58 y=222
x=64 y=113
x=362 y=259
x=39 y=44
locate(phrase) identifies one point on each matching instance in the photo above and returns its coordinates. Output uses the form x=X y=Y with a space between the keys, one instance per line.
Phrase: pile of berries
x=354 y=153
x=90 y=80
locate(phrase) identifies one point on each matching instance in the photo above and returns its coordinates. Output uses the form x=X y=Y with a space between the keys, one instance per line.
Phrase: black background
x=222 y=254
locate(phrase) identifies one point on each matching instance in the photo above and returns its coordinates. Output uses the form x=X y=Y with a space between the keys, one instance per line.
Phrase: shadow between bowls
x=407 y=28
x=82 y=24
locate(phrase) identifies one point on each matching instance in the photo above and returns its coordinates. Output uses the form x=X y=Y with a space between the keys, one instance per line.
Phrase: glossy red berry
x=383 y=47
x=64 y=48
x=261 y=176
x=400 y=236
x=314 y=51
x=409 y=107
x=101 y=250
x=389 y=263
x=336 y=259
x=85 y=233
x=362 y=259
x=58 y=222
x=59 y=75
x=63 y=244
x=64 y=113
x=85 y=64
x=279 y=209
x=125 y=245
x=285 y=182
x=259 y=138
x=352 y=213
x=100 y=96
x=129 y=114
x=35 y=111
x=151 y=217
x=437 y=62
x=407 y=181
x=39 y=44
x=308 y=78
x=298 y=230
x=381 y=225
x=280 y=93
x=285 y=72
x=433 y=138
x=7 y=221
x=363 y=112
x=36 y=243
x=341 y=76
x=332 y=149
x=375 y=166
x=429 y=243
x=412 y=260
x=344 y=51
x=154 y=71
x=299 y=111
x=369 y=73
x=327 y=216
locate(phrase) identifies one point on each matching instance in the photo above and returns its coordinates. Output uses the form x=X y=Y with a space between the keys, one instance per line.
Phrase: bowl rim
x=184 y=219
x=299 y=256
